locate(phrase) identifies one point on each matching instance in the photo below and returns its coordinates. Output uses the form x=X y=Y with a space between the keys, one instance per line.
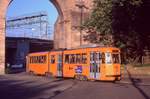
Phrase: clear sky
x=21 y=7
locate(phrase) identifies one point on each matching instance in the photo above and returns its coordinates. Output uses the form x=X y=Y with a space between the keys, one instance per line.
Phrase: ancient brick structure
x=3 y=8
x=67 y=34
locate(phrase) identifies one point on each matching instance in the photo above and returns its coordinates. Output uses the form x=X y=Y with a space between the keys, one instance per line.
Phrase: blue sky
x=21 y=7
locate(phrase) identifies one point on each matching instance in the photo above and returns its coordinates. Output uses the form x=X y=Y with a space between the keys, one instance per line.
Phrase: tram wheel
x=85 y=78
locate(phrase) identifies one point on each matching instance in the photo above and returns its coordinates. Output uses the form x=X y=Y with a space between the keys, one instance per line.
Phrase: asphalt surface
x=24 y=86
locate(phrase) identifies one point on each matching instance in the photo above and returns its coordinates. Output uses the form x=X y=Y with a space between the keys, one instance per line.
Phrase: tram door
x=59 y=65
x=95 y=65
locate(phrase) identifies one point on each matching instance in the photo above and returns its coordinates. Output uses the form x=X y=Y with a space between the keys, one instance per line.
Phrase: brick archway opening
x=65 y=35
x=4 y=4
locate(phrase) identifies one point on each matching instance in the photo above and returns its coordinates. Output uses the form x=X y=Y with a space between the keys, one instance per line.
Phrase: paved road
x=23 y=86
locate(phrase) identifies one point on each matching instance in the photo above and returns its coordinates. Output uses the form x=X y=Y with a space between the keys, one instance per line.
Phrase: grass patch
x=142 y=65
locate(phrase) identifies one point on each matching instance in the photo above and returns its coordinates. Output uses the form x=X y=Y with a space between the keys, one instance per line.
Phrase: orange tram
x=98 y=63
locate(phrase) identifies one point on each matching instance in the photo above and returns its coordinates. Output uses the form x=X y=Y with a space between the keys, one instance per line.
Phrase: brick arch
x=57 y=5
x=64 y=35
x=3 y=8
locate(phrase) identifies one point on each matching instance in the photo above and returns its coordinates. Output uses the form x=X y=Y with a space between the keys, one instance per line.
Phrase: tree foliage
x=100 y=22
x=121 y=23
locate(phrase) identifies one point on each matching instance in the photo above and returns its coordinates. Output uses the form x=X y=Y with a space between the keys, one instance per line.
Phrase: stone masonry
x=3 y=8
x=66 y=34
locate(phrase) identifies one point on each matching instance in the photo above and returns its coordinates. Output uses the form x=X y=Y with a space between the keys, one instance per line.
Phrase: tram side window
x=34 y=58
x=67 y=58
x=52 y=59
x=60 y=58
x=72 y=59
x=115 y=58
x=31 y=58
x=91 y=56
x=42 y=59
x=45 y=59
x=95 y=56
x=78 y=58
x=99 y=57
x=84 y=58
x=37 y=59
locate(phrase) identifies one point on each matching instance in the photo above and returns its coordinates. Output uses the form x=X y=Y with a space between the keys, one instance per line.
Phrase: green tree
x=98 y=25
x=121 y=23
x=101 y=23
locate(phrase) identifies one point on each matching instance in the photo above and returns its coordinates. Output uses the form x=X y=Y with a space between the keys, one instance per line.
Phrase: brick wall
x=3 y=8
x=63 y=38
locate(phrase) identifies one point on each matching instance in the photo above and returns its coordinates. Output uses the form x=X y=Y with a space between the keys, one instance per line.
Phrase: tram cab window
x=115 y=58
x=108 y=58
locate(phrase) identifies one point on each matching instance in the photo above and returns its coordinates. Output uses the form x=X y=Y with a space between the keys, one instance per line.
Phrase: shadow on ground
x=136 y=83
x=22 y=89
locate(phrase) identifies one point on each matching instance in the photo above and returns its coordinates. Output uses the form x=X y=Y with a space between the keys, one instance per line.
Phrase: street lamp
x=81 y=5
